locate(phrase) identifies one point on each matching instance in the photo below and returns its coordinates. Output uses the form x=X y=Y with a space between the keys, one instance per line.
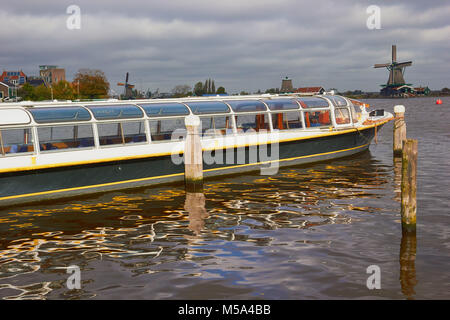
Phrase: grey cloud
x=243 y=45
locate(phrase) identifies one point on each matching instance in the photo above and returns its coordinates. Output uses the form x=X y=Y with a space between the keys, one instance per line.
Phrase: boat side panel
x=21 y=187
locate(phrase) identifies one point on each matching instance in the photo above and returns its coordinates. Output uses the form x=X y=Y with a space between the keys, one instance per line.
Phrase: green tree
x=213 y=87
x=41 y=92
x=92 y=84
x=205 y=87
x=221 y=90
x=273 y=90
x=198 y=89
x=27 y=92
x=63 y=91
x=181 y=91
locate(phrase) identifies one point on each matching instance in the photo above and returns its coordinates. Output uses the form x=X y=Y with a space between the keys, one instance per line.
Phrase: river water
x=308 y=232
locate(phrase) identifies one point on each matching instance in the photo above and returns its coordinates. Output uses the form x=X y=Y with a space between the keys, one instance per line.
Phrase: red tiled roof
x=308 y=89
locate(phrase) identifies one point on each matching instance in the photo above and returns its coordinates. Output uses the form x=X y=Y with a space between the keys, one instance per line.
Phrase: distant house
x=7 y=90
x=4 y=90
x=14 y=77
x=422 y=91
x=398 y=91
x=310 y=90
x=51 y=74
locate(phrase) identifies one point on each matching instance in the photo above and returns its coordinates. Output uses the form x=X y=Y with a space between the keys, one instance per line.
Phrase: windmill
x=396 y=72
x=128 y=92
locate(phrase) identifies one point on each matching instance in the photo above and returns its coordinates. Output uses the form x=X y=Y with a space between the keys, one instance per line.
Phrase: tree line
x=87 y=84
x=200 y=89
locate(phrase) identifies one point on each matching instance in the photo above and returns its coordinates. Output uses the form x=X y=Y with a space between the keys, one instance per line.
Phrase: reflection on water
x=408 y=264
x=195 y=206
x=306 y=232
x=150 y=232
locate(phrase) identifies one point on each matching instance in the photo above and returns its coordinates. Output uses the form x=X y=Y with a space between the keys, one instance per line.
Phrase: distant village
x=51 y=84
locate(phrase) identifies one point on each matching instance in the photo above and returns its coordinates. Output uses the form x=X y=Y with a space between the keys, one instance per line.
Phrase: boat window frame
x=331 y=114
x=89 y=106
x=343 y=125
x=298 y=100
x=301 y=117
x=4 y=155
x=230 y=110
x=38 y=142
x=146 y=116
x=143 y=120
x=267 y=113
x=30 y=110
x=164 y=118
x=233 y=124
x=227 y=102
x=294 y=100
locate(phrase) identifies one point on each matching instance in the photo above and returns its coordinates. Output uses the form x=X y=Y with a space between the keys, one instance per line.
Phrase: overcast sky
x=242 y=44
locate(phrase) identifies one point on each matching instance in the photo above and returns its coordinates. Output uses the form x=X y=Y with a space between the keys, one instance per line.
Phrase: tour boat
x=57 y=149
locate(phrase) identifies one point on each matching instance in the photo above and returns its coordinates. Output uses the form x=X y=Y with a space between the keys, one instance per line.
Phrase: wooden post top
x=399 y=108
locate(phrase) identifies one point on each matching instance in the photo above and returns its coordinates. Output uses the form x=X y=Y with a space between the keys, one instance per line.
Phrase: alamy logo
x=74 y=280
x=250 y=147
x=374 y=281
x=73 y=22
x=374 y=19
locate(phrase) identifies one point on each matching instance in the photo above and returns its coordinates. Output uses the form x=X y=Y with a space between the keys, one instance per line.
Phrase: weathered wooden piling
x=408 y=187
x=193 y=158
x=399 y=129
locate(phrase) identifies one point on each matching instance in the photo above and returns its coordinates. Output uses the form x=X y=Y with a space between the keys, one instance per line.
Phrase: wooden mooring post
x=193 y=157
x=399 y=129
x=409 y=186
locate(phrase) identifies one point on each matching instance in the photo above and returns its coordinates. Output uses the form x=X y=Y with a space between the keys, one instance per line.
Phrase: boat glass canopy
x=282 y=104
x=208 y=107
x=164 y=109
x=313 y=102
x=338 y=101
x=246 y=105
x=108 y=112
x=59 y=114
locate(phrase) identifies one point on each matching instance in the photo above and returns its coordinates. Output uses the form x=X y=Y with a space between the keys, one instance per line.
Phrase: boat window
x=126 y=111
x=208 y=107
x=14 y=141
x=286 y=120
x=256 y=122
x=246 y=105
x=164 y=109
x=317 y=118
x=313 y=102
x=342 y=115
x=216 y=125
x=59 y=114
x=65 y=137
x=167 y=129
x=282 y=104
x=338 y=101
x=114 y=133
